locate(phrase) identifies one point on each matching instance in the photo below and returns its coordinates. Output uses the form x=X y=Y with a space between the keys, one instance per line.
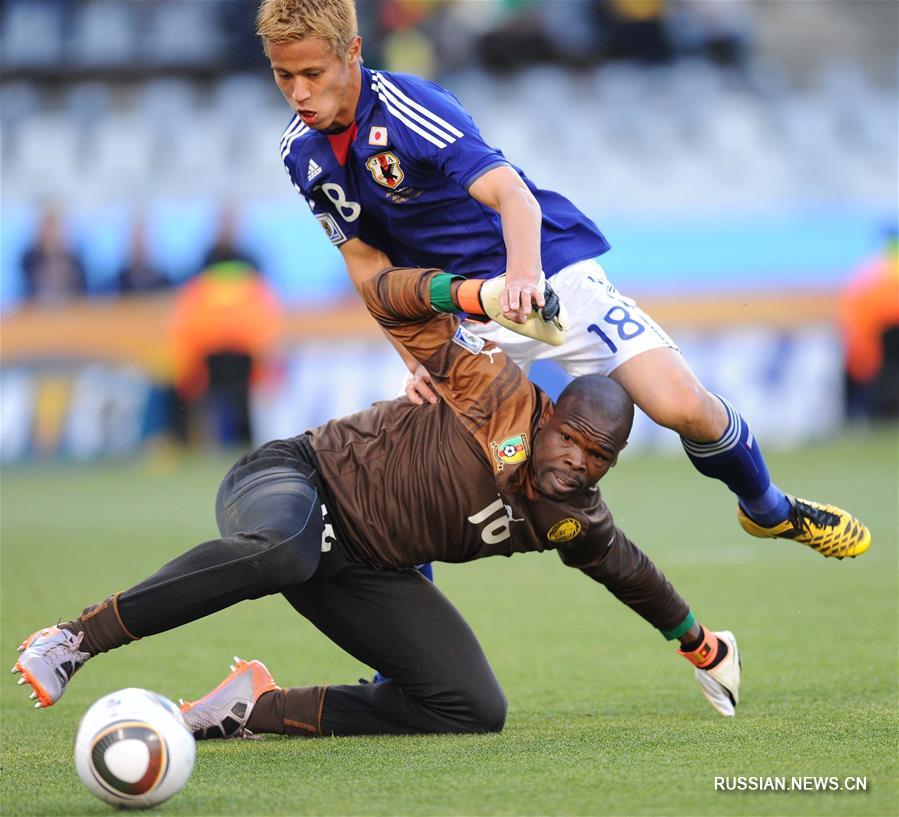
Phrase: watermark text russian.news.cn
x=783 y=783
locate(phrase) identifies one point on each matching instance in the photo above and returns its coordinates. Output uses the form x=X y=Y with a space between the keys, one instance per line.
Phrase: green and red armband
x=465 y=299
x=483 y=299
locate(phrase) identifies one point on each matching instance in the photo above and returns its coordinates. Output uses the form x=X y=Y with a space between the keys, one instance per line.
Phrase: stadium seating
x=624 y=141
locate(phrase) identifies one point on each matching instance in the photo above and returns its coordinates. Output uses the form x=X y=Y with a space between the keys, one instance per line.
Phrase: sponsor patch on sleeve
x=468 y=340
x=564 y=531
x=331 y=228
x=511 y=451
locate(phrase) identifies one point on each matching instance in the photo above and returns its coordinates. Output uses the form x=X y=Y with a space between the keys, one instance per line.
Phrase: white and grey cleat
x=224 y=712
x=50 y=658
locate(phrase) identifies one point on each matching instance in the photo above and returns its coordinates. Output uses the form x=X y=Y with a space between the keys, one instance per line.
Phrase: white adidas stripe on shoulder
x=433 y=128
x=406 y=114
x=386 y=83
x=291 y=135
x=294 y=124
x=285 y=150
x=411 y=125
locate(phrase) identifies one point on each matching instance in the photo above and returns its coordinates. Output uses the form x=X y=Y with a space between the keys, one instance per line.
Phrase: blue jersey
x=398 y=177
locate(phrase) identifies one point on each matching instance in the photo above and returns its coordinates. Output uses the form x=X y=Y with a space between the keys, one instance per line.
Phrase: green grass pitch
x=604 y=718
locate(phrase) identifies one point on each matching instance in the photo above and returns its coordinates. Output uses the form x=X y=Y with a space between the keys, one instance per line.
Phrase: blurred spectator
x=636 y=30
x=226 y=245
x=405 y=41
x=869 y=314
x=518 y=41
x=223 y=335
x=52 y=270
x=410 y=51
x=139 y=274
x=238 y=21
x=721 y=32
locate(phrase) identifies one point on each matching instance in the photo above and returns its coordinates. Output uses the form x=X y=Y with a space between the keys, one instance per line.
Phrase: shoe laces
x=68 y=647
x=803 y=515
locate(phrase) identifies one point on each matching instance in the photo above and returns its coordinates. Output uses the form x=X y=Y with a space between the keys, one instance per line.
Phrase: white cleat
x=224 y=712
x=721 y=684
x=49 y=659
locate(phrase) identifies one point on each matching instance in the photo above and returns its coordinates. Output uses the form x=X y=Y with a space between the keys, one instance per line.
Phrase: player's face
x=320 y=86
x=573 y=450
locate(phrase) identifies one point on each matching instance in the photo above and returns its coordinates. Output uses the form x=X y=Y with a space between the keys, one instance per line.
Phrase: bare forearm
x=521 y=220
x=505 y=191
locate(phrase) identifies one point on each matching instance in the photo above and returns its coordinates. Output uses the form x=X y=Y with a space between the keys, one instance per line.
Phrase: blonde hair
x=332 y=20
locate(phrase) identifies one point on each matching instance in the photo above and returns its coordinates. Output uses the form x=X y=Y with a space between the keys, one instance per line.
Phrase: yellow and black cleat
x=830 y=530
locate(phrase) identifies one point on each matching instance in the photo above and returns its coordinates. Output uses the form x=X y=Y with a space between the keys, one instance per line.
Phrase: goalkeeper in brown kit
x=336 y=518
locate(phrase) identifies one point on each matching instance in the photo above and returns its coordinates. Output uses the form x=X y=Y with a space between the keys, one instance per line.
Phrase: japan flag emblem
x=377 y=135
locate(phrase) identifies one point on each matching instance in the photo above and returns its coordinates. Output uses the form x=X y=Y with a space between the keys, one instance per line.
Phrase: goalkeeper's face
x=574 y=449
x=319 y=85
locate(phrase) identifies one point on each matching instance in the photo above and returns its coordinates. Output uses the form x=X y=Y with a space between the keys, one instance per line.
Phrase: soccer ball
x=133 y=749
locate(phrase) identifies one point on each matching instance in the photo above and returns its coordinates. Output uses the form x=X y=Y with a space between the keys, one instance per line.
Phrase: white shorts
x=605 y=328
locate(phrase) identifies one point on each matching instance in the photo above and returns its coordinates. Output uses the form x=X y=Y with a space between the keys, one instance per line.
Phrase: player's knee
x=273 y=559
x=273 y=519
x=287 y=559
x=490 y=712
x=487 y=710
x=693 y=413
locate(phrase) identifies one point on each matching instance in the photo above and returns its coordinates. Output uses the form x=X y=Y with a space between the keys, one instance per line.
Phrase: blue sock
x=736 y=459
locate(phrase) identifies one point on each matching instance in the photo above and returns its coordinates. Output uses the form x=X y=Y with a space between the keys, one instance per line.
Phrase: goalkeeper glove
x=548 y=324
x=718 y=667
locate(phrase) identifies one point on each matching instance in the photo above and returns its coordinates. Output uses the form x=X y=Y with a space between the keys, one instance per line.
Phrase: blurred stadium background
x=740 y=156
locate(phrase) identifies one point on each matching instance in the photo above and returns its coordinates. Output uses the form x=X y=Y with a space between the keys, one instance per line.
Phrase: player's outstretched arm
x=631 y=576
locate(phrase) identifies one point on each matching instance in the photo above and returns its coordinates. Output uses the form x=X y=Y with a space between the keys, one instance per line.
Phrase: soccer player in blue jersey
x=397 y=173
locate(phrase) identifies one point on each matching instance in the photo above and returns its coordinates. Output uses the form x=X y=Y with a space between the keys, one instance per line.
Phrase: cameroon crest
x=386 y=170
x=511 y=451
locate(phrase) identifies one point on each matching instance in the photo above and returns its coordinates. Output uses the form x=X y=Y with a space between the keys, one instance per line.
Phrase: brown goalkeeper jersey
x=452 y=482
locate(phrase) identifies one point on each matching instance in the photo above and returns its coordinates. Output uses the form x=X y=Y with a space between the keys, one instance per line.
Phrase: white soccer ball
x=133 y=749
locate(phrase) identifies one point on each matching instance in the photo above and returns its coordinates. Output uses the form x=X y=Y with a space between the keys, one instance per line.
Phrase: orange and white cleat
x=49 y=659
x=224 y=712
